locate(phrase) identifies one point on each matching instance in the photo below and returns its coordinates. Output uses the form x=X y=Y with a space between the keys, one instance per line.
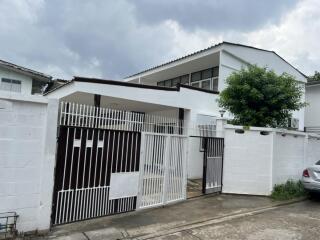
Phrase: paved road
x=292 y=222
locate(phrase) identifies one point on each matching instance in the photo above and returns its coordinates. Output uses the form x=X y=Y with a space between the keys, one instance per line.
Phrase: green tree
x=259 y=97
x=315 y=77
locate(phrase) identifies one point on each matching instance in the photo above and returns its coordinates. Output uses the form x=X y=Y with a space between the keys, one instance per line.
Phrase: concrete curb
x=216 y=220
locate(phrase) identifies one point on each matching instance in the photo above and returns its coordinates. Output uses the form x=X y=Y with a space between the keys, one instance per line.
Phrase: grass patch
x=289 y=190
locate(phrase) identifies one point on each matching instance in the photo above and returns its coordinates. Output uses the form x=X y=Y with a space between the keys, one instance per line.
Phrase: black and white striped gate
x=212 y=164
x=99 y=155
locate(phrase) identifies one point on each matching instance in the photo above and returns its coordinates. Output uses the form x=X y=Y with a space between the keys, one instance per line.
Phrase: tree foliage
x=259 y=97
x=314 y=77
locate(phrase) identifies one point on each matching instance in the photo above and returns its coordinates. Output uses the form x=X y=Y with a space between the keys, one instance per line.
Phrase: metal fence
x=80 y=115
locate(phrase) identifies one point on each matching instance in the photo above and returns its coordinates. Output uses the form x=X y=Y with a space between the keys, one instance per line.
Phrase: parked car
x=311 y=178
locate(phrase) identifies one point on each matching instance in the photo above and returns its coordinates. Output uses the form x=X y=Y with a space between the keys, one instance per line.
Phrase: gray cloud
x=214 y=15
x=112 y=39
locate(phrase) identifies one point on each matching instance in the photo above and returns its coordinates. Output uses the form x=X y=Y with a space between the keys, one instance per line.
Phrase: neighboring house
x=312 y=113
x=209 y=68
x=21 y=80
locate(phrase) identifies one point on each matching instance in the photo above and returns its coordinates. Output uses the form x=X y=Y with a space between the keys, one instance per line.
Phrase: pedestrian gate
x=163 y=169
x=212 y=164
x=111 y=161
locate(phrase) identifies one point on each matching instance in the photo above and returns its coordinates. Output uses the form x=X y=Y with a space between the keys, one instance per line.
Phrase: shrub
x=289 y=190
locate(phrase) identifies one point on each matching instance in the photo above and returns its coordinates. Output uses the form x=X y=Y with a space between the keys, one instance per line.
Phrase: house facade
x=186 y=88
x=16 y=79
x=209 y=68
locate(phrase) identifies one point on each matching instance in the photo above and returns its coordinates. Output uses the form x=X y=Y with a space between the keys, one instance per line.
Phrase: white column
x=48 y=165
x=220 y=123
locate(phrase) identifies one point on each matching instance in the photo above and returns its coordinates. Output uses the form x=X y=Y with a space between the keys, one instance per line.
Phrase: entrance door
x=212 y=165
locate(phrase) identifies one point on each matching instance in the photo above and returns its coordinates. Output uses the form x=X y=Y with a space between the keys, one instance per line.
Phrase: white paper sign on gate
x=124 y=185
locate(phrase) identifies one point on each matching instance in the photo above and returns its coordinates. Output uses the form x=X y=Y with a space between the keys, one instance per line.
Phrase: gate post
x=166 y=169
x=141 y=170
x=220 y=123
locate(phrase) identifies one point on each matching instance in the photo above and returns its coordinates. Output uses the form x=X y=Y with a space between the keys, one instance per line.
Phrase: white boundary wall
x=28 y=126
x=254 y=163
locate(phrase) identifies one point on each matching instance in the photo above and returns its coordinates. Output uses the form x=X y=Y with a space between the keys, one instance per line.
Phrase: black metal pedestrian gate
x=98 y=170
x=212 y=164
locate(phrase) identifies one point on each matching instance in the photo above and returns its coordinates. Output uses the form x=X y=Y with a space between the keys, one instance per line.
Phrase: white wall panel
x=27 y=157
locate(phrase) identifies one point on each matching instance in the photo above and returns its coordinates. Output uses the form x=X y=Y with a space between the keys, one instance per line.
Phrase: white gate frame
x=166 y=184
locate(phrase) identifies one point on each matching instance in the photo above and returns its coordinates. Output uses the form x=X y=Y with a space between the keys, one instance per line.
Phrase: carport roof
x=128 y=84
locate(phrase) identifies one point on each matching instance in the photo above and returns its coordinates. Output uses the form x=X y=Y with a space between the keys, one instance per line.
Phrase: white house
x=20 y=80
x=209 y=68
x=190 y=84
x=127 y=145
x=312 y=114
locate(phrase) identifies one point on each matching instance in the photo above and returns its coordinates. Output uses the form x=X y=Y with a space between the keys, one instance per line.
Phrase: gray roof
x=18 y=68
x=209 y=48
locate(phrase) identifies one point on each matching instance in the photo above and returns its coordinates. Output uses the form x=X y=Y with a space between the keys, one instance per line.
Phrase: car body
x=311 y=178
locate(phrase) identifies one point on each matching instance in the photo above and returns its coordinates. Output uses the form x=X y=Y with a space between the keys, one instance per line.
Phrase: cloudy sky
x=113 y=39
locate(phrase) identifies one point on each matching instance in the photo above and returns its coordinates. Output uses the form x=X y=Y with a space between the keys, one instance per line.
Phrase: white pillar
x=220 y=123
x=48 y=165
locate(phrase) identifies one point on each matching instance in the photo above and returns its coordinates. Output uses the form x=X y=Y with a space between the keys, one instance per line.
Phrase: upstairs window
x=37 y=86
x=206 y=79
x=174 y=81
x=10 y=85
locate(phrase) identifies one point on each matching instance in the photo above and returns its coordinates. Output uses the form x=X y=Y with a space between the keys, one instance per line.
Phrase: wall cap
x=23 y=98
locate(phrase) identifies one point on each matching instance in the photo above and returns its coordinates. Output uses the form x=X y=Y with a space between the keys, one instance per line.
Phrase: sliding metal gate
x=212 y=164
x=98 y=162
x=89 y=161
x=163 y=169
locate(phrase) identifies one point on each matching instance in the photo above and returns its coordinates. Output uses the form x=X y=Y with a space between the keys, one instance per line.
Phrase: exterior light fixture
x=222 y=112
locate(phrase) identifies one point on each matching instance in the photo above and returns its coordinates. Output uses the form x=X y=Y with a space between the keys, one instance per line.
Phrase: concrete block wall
x=246 y=166
x=255 y=162
x=27 y=155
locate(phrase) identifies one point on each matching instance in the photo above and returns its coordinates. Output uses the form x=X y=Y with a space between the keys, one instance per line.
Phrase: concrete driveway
x=292 y=222
x=210 y=217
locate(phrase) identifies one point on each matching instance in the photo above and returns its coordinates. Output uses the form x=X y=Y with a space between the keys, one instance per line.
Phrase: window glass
x=196 y=84
x=15 y=86
x=207 y=73
x=161 y=84
x=206 y=84
x=167 y=83
x=5 y=85
x=10 y=85
x=215 y=71
x=184 y=79
x=195 y=76
x=215 y=84
x=318 y=163
x=175 y=81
